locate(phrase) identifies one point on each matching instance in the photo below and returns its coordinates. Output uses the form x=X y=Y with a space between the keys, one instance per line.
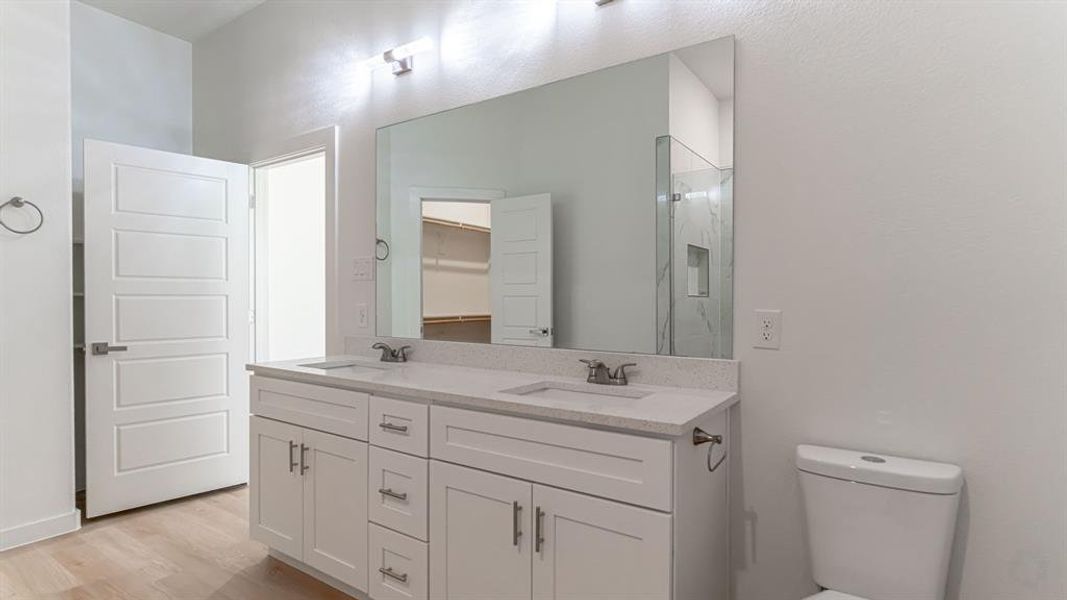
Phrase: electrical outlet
x=768 y=329
x=361 y=315
x=363 y=268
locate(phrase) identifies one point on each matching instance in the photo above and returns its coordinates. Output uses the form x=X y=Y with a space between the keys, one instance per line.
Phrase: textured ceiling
x=185 y=19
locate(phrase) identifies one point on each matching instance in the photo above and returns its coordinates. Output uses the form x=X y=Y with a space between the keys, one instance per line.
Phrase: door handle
x=516 y=523
x=389 y=492
x=103 y=348
x=304 y=467
x=543 y=331
x=292 y=461
x=389 y=572
x=539 y=530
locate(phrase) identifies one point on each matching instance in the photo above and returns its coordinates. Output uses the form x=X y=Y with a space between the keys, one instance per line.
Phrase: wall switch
x=361 y=315
x=768 y=329
x=363 y=268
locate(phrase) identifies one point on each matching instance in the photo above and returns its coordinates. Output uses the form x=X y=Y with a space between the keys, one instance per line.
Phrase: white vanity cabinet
x=449 y=503
x=308 y=488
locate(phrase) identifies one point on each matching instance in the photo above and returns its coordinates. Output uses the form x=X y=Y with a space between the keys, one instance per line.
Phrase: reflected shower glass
x=694 y=253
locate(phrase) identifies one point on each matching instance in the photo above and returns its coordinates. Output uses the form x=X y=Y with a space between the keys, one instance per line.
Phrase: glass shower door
x=694 y=253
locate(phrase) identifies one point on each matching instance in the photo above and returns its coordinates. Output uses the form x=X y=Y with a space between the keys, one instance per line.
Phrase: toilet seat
x=832 y=595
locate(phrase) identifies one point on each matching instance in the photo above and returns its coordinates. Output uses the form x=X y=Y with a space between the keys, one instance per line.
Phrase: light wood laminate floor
x=191 y=549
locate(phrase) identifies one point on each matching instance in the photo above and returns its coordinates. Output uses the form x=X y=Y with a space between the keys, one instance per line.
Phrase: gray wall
x=899 y=192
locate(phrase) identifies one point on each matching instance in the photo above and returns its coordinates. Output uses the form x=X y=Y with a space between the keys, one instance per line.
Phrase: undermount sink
x=351 y=366
x=559 y=390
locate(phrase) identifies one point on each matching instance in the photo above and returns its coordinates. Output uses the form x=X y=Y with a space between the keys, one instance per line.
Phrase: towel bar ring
x=702 y=437
x=18 y=202
x=379 y=243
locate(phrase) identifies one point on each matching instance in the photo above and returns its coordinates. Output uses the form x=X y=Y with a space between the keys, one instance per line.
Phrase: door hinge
x=251 y=201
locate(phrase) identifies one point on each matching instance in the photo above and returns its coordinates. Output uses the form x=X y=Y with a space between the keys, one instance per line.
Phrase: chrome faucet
x=599 y=373
x=389 y=355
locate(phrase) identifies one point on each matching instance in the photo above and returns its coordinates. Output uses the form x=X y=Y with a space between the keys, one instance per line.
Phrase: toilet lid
x=832 y=595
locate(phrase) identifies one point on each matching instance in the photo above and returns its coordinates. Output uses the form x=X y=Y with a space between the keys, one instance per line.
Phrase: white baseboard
x=20 y=535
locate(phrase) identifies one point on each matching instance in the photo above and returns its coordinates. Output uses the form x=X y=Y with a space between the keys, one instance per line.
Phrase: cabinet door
x=275 y=486
x=479 y=535
x=594 y=548
x=335 y=506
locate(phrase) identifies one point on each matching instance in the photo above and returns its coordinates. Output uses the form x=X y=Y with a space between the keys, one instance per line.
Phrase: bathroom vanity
x=419 y=480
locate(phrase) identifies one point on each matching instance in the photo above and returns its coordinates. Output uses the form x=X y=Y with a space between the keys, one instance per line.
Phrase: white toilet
x=879 y=527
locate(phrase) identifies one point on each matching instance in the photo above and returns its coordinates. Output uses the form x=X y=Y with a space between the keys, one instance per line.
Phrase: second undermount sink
x=349 y=366
x=560 y=390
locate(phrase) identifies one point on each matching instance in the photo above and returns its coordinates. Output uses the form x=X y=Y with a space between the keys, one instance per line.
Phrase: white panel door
x=479 y=535
x=166 y=295
x=335 y=506
x=591 y=548
x=276 y=488
x=520 y=270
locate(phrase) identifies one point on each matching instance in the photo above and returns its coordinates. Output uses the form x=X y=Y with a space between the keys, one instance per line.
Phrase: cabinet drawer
x=399 y=566
x=398 y=491
x=342 y=412
x=400 y=425
x=613 y=465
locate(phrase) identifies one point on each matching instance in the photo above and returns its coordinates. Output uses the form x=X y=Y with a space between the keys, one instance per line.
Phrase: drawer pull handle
x=389 y=572
x=390 y=427
x=292 y=461
x=516 y=523
x=539 y=530
x=389 y=492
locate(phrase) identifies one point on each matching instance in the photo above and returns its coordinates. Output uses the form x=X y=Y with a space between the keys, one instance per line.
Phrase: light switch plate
x=768 y=329
x=363 y=268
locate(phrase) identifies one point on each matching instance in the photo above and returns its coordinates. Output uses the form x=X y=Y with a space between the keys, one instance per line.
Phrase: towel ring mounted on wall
x=18 y=202
x=702 y=437
x=378 y=244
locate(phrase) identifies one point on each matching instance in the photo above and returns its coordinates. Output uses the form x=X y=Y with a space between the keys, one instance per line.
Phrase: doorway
x=455 y=270
x=290 y=259
x=293 y=218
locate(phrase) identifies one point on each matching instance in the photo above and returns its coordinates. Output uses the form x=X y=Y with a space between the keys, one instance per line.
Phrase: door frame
x=273 y=152
x=417 y=195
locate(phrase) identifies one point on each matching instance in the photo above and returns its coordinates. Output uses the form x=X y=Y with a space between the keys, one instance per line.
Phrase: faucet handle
x=401 y=353
x=620 y=373
x=593 y=364
x=387 y=352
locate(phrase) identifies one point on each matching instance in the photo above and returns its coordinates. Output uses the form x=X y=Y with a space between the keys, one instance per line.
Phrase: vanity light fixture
x=402 y=58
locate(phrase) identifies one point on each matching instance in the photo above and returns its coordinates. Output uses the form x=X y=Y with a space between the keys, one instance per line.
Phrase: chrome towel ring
x=18 y=202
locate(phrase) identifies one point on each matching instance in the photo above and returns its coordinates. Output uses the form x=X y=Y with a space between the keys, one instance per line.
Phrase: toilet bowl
x=879 y=527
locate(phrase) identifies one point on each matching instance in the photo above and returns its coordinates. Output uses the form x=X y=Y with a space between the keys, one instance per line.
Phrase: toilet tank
x=879 y=527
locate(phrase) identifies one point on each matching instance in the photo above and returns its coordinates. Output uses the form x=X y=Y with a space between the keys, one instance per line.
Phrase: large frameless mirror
x=591 y=213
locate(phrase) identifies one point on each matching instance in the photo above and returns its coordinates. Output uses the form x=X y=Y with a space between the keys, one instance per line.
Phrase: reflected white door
x=520 y=270
x=166 y=294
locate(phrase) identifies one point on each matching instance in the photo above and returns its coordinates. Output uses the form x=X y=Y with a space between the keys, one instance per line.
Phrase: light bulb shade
x=399 y=58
